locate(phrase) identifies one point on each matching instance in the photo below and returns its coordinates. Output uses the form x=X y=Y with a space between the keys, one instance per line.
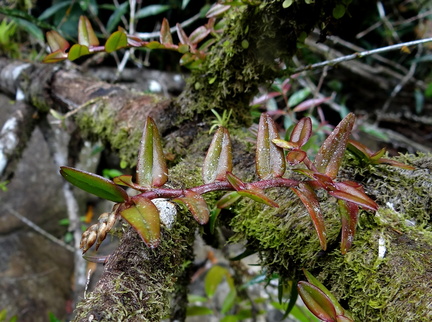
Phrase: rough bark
x=138 y=282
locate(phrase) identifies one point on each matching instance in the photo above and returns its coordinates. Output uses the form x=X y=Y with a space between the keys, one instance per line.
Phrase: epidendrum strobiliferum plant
x=271 y=160
x=272 y=157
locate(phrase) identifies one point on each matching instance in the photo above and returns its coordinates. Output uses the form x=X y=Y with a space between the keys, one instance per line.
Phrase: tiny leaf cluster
x=273 y=156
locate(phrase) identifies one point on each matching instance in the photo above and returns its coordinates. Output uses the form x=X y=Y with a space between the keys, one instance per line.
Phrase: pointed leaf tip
x=218 y=160
x=316 y=301
x=302 y=132
x=152 y=170
x=330 y=155
x=86 y=34
x=165 y=33
x=309 y=199
x=269 y=159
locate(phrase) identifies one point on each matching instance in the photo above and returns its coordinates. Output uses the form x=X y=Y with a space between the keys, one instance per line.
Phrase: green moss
x=103 y=124
x=373 y=288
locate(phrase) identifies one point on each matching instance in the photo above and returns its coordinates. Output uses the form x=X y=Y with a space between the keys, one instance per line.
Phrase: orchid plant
x=272 y=157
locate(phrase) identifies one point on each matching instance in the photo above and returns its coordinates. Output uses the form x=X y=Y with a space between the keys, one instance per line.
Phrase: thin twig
x=35 y=227
x=402 y=83
x=362 y=54
x=150 y=35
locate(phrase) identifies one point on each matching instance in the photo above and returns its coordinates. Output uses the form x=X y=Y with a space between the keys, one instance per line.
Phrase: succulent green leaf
x=229 y=301
x=339 y=11
x=86 y=34
x=94 y=184
x=55 y=57
x=78 y=51
x=187 y=58
x=298 y=97
x=214 y=214
x=219 y=157
x=302 y=132
x=330 y=155
x=196 y=310
x=349 y=216
x=378 y=155
x=314 y=281
x=143 y=216
x=182 y=48
x=317 y=301
x=309 y=199
x=196 y=205
x=165 y=33
x=155 y=45
x=152 y=170
x=227 y=199
x=269 y=159
x=116 y=41
x=56 y=41
x=214 y=277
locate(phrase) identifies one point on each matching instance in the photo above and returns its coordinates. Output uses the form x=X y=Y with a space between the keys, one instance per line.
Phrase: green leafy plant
x=320 y=301
x=152 y=174
x=4 y=318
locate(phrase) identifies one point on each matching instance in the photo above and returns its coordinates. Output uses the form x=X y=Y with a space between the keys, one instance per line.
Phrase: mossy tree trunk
x=138 y=283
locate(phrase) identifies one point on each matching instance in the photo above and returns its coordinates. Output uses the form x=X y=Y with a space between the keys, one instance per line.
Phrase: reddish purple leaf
x=86 y=34
x=165 y=33
x=310 y=103
x=295 y=157
x=198 y=35
x=219 y=157
x=309 y=199
x=216 y=10
x=249 y=190
x=152 y=170
x=235 y=182
x=349 y=216
x=317 y=301
x=395 y=163
x=302 y=132
x=269 y=159
x=184 y=39
x=56 y=42
x=330 y=155
x=353 y=192
x=196 y=205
